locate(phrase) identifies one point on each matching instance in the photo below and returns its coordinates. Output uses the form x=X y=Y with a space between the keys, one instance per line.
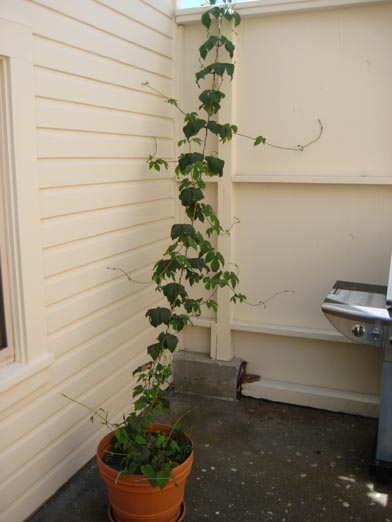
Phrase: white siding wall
x=307 y=219
x=100 y=207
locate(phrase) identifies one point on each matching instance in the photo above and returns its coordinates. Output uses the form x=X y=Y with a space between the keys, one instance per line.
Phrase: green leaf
x=149 y=473
x=206 y=20
x=168 y=341
x=215 y=165
x=216 y=12
x=190 y=196
x=158 y=316
x=197 y=263
x=208 y=46
x=188 y=159
x=178 y=322
x=258 y=140
x=157 y=164
x=200 y=75
x=163 y=476
x=230 y=69
x=214 y=127
x=179 y=230
x=140 y=439
x=131 y=468
x=193 y=127
x=211 y=100
x=190 y=116
x=165 y=268
x=212 y=304
x=154 y=351
x=192 y=306
x=172 y=291
x=215 y=265
x=220 y=258
x=140 y=404
x=229 y=46
x=228 y=15
x=138 y=390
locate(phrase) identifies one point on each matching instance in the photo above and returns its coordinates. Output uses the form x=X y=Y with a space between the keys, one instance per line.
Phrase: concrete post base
x=196 y=373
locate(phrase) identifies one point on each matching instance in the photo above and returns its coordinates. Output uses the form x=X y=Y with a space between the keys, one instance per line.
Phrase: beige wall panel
x=163 y=6
x=144 y=13
x=51 y=25
x=60 y=57
x=56 y=426
x=81 y=305
x=66 y=284
x=50 y=403
x=87 y=328
x=108 y=21
x=100 y=206
x=58 y=202
x=69 y=441
x=291 y=70
x=70 y=116
x=338 y=366
x=303 y=238
x=56 y=231
x=197 y=339
x=101 y=346
x=67 y=87
x=65 y=257
x=87 y=171
x=70 y=144
x=41 y=490
x=333 y=65
x=15 y=11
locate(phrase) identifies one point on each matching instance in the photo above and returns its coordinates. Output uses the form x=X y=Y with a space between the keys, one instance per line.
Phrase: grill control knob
x=358 y=330
x=376 y=334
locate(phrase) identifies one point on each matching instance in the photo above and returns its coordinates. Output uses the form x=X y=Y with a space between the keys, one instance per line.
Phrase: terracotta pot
x=132 y=497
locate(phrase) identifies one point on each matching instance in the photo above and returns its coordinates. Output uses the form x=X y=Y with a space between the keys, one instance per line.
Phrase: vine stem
x=95 y=413
x=128 y=276
x=167 y=98
x=264 y=303
x=299 y=148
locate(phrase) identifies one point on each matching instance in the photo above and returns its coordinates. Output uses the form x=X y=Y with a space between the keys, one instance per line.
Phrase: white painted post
x=224 y=349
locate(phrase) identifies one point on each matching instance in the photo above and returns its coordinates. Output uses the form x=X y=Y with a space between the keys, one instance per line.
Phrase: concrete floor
x=257 y=461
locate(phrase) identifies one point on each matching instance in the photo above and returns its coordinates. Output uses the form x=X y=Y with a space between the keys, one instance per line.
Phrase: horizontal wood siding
x=102 y=212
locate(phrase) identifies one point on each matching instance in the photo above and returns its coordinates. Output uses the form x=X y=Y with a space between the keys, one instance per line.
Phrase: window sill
x=268 y=7
x=20 y=379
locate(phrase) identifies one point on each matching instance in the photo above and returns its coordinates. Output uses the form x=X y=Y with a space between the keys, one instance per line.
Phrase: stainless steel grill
x=363 y=314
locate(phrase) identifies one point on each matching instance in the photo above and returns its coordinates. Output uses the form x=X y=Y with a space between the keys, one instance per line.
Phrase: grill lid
x=359 y=312
x=357 y=300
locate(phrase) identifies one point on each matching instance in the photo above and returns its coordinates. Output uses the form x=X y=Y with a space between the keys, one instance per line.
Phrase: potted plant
x=145 y=464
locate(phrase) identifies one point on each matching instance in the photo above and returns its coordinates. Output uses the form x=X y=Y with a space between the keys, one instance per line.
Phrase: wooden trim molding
x=22 y=215
x=269 y=7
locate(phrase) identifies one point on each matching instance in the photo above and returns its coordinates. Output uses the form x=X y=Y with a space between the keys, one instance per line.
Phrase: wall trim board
x=270 y=7
x=312 y=180
x=314 y=397
x=277 y=329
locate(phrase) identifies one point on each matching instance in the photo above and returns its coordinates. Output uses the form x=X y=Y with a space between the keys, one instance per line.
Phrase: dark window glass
x=3 y=333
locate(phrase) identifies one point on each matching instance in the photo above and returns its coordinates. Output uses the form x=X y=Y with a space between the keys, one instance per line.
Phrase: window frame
x=7 y=352
x=24 y=275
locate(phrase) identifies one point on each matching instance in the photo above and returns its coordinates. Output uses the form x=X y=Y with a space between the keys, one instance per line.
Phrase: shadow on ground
x=257 y=461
